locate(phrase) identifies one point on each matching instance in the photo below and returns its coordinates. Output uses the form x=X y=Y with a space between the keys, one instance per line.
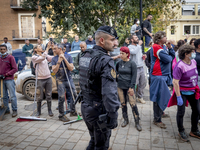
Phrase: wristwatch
x=59 y=63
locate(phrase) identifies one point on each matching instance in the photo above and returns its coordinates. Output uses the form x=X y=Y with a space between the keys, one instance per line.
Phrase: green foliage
x=84 y=17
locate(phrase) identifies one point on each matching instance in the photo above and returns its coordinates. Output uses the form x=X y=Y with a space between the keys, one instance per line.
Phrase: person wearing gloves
x=160 y=74
x=40 y=62
x=126 y=79
x=185 y=80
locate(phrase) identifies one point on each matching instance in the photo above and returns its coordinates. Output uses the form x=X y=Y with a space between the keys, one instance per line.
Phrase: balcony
x=19 y=37
x=16 y=5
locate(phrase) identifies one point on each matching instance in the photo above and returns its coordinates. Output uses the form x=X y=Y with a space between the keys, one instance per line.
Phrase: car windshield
x=73 y=55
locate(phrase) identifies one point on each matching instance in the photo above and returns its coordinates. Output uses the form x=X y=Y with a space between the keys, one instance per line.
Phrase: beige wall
x=184 y=20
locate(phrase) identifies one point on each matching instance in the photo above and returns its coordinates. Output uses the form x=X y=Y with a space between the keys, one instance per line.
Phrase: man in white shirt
x=137 y=56
x=9 y=46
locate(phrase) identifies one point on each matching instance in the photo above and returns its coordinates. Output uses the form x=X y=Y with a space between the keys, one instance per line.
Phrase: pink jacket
x=42 y=65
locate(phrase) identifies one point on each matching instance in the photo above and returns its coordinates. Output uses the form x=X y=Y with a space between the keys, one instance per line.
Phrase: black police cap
x=109 y=30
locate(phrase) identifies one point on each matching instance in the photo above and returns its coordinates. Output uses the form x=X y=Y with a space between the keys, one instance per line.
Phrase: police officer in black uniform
x=99 y=88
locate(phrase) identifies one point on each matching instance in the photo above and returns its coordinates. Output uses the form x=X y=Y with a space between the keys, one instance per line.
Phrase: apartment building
x=188 y=22
x=17 y=24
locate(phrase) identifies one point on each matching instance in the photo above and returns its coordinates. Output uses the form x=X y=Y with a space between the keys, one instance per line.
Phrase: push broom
x=32 y=118
x=79 y=118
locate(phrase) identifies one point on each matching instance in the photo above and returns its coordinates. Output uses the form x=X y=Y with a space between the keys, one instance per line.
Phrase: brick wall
x=9 y=22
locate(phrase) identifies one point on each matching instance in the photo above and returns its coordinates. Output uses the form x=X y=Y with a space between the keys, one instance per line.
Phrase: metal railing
x=16 y=35
x=16 y=4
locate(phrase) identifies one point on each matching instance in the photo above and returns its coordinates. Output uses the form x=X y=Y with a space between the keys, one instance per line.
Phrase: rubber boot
x=126 y=120
x=49 y=109
x=38 y=109
x=136 y=117
x=137 y=124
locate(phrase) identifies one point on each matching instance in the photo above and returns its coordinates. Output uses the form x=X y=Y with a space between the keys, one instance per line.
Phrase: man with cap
x=99 y=88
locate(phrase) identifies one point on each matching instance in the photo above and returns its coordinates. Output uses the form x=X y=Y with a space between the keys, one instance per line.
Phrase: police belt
x=92 y=102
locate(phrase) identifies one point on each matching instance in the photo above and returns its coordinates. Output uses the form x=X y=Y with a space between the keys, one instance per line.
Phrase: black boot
x=137 y=124
x=49 y=109
x=136 y=117
x=126 y=120
x=38 y=109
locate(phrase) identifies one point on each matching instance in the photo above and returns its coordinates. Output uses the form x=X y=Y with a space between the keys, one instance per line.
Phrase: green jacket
x=26 y=49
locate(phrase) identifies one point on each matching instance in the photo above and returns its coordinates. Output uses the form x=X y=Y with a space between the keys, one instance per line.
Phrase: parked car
x=20 y=58
x=25 y=82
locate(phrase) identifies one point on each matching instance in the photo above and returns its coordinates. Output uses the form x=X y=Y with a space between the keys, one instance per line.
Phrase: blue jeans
x=147 y=40
x=63 y=86
x=9 y=85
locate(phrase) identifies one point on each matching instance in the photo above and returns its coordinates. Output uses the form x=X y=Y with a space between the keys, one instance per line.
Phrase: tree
x=84 y=17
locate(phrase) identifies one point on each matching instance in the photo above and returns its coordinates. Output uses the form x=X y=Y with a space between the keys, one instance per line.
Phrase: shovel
x=2 y=107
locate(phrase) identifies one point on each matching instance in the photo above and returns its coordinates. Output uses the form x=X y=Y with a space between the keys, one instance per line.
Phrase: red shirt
x=8 y=67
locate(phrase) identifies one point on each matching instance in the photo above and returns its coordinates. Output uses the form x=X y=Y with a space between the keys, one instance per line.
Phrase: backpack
x=32 y=68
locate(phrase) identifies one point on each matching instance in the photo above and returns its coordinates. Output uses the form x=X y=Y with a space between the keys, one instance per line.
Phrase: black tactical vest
x=90 y=81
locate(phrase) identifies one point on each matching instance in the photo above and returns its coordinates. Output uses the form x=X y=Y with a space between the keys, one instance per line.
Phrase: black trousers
x=99 y=140
x=195 y=113
x=157 y=112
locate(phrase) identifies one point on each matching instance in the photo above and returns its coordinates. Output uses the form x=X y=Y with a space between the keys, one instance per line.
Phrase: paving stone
x=37 y=142
x=12 y=130
x=132 y=140
x=55 y=147
x=157 y=142
x=22 y=145
x=120 y=139
x=48 y=142
x=130 y=147
x=81 y=145
x=185 y=146
x=30 y=131
x=195 y=144
x=170 y=143
x=118 y=146
x=144 y=144
x=157 y=148
x=60 y=141
x=68 y=146
x=30 y=138
x=8 y=139
x=19 y=139
x=42 y=148
x=45 y=135
x=54 y=127
x=75 y=137
x=57 y=133
x=30 y=148
x=38 y=132
x=67 y=134
x=86 y=136
x=18 y=133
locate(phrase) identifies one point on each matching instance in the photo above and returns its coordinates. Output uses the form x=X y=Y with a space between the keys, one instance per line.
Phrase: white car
x=25 y=82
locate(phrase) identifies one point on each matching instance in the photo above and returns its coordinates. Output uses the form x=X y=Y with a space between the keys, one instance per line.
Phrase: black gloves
x=2 y=77
x=112 y=123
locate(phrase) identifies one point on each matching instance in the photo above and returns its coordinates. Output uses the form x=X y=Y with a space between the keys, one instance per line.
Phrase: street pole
x=141 y=21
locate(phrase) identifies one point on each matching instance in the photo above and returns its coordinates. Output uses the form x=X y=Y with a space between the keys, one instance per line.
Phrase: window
x=172 y=30
x=195 y=29
x=198 y=9
x=26 y=25
x=188 y=10
x=192 y=29
x=187 y=29
x=19 y=2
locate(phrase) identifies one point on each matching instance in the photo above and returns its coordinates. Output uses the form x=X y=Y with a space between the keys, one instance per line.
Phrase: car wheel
x=29 y=89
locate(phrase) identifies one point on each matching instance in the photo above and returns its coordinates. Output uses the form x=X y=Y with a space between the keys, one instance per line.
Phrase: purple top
x=187 y=74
